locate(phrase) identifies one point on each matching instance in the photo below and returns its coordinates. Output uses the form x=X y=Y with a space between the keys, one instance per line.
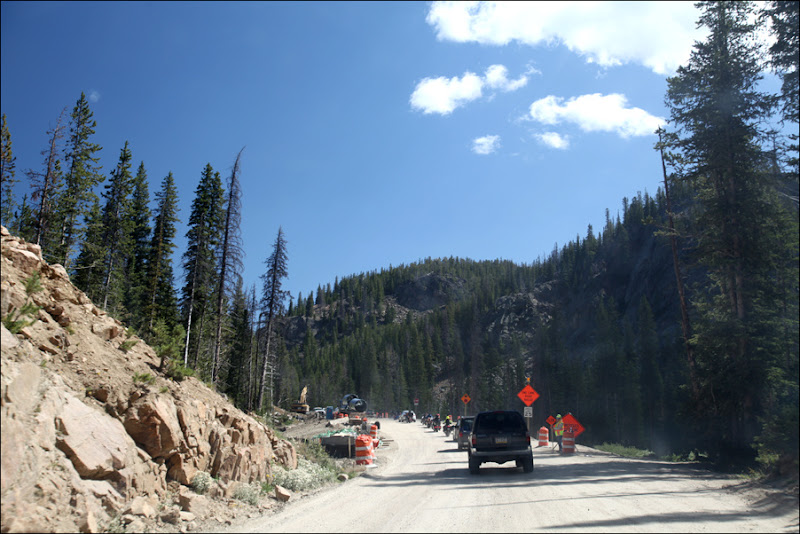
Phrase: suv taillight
x=473 y=440
x=528 y=438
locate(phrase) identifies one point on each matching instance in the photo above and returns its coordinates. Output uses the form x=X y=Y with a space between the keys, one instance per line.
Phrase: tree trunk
x=685 y=325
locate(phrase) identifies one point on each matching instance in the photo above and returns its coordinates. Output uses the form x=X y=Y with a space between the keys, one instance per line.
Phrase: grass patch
x=313 y=451
x=621 y=450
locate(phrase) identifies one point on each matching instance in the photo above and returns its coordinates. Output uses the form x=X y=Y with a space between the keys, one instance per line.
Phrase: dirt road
x=422 y=484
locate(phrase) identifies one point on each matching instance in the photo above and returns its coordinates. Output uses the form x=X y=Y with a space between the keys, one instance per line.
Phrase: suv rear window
x=466 y=425
x=500 y=423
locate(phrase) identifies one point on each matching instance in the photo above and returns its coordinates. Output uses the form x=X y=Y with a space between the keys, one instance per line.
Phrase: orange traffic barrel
x=373 y=432
x=568 y=442
x=544 y=435
x=364 y=450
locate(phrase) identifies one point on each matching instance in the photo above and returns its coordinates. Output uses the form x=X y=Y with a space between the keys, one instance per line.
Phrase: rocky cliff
x=91 y=431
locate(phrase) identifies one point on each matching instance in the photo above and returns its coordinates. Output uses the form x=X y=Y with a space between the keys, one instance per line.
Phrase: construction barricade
x=544 y=436
x=365 y=452
x=568 y=443
x=373 y=433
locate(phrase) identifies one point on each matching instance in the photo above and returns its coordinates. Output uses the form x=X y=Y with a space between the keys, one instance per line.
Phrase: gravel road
x=422 y=484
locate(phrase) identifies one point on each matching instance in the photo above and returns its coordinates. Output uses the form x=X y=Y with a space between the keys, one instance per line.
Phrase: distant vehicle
x=500 y=436
x=462 y=432
x=319 y=412
x=406 y=416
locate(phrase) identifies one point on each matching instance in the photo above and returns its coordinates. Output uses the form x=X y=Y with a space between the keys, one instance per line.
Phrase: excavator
x=301 y=406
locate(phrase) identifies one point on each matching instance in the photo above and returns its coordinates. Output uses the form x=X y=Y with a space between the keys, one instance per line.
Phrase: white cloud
x=486 y=144
x=443 y=95
x=596 y=113
x=497 y=78
x=554 y=140
x=658 y=35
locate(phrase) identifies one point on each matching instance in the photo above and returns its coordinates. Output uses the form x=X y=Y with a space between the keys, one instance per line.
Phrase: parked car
x=319 y=412
x=462 y=431
x=500 y=436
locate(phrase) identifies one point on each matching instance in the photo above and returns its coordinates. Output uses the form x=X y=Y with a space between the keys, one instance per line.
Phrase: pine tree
x=230 y=257
x=88 y=270
x=199 y=260
x=117 y=230
x=46 y=184
x=785 y=18
x=82 y=176
x=161 y=301
x=140 y=238
x=252 y=353
x=716 y=107
x=7 y=170
x=25 y=220
x=272 y=303
x=237 y=377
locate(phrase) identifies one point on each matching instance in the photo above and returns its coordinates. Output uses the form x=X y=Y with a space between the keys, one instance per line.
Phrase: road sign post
x=528 y=395
x=465 y=399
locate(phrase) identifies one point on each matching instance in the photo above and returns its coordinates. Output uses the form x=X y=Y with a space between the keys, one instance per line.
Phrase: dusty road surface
x=422 y=484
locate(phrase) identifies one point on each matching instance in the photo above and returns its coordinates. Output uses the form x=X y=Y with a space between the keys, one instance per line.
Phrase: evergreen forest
x=673 y=328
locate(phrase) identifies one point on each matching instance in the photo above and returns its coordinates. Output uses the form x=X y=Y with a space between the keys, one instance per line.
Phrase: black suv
x=499 y=437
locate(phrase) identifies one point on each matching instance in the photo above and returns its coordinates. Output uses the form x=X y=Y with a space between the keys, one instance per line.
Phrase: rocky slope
x=92 y=433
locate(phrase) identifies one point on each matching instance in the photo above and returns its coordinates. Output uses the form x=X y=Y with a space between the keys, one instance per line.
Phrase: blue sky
x=375 y=133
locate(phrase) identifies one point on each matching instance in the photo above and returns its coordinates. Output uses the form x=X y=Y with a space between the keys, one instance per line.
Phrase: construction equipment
x=301 y=406
x=354 y=409
x=351 y=404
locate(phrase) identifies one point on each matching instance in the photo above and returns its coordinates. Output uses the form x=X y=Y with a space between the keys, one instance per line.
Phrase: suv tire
x=474 y=466
x=527 y=465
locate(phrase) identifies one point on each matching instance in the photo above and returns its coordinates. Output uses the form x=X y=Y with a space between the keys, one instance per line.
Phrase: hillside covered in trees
x=672 y=328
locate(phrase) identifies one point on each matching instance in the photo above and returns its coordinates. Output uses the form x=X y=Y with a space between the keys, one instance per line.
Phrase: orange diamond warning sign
x=528 y=395
x=572 y=425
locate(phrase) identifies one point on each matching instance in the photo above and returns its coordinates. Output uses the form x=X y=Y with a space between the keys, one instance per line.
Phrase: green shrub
x=144 y=378
x=16 y=320
x=201 y=482
x=249 y=493
x=307 y=476
x=313 y=451
x=127 y=345
x=176 y=371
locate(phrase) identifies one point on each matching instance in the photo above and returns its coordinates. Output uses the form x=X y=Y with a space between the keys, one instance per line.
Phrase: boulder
x=282 y=494
x=152 y=422
x=96 y=444
x=141 y=506
x=196 y=504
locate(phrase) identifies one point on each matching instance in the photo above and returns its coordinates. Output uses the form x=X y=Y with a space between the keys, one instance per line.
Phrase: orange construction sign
x=528 y=395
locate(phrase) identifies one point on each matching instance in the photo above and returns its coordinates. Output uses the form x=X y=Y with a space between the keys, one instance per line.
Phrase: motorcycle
x=447 y=428
x=437 y=426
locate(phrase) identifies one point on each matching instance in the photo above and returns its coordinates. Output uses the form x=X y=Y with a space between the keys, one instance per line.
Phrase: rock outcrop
x=84 y=438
